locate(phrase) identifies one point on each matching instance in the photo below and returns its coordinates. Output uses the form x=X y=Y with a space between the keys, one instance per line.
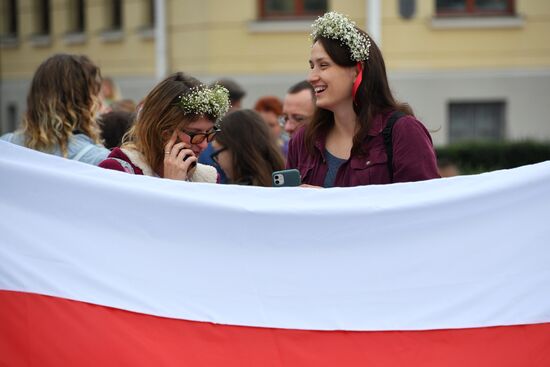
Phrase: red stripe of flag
x=38 y=330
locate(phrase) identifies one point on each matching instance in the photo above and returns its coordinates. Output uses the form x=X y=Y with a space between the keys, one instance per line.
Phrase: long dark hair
x=373 y=95
x=254 y=153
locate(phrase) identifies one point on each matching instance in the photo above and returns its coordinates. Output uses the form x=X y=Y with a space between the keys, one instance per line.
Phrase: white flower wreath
x=337 y=26
x=201 y=100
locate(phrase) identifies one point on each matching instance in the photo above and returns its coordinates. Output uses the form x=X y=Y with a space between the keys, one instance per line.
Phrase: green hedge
x=477 y=157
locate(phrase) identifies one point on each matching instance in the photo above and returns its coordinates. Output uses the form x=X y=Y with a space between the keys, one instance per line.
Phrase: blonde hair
x=159 y=116
x=62 y=100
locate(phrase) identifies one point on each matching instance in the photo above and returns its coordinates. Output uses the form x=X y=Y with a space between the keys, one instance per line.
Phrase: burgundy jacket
x=413 y=156
x=114 y=162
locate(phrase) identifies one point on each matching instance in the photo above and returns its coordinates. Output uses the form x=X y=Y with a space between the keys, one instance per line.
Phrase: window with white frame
x=149 y=19
x=291 y=9
x=41 y=11
x=76 y=16
x=475 y=7
x=476 y=121
x=113 y=15
x=8 y=12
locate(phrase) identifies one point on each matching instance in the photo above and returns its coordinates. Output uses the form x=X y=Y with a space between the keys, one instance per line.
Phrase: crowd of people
x=340 y=127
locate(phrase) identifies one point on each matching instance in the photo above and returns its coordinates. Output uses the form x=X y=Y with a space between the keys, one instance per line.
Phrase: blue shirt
x=81 y=148
x=333 y=164
x=204 y=158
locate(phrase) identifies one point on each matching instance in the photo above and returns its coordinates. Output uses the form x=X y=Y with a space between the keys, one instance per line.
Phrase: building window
x=77 y=17
x=476 y=121
x=42 y=17
x=9 y=19
x=114 y=15
x=291 y=9
x=150 y=14
x=475 y=7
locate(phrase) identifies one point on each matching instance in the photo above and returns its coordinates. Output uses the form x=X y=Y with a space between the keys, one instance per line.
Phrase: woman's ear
x=166 y=135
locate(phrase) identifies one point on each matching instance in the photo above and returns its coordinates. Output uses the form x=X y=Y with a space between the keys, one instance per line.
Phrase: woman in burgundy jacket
x=344 y=143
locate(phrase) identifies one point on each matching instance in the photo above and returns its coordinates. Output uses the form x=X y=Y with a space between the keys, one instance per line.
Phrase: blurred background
x=473 y=70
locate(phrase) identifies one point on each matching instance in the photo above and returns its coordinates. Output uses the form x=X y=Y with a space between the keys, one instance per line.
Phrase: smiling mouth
x=319 y=90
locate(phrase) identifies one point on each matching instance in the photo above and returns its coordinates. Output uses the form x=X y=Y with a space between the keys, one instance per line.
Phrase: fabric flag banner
x=103 y=268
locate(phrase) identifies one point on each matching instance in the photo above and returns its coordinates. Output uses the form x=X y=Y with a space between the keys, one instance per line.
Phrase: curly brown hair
x=62 y=100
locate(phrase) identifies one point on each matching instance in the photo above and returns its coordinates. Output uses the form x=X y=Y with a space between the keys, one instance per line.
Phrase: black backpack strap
x=388 y=143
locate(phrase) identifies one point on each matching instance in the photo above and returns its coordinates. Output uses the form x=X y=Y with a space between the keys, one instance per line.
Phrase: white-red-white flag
x=102 y=268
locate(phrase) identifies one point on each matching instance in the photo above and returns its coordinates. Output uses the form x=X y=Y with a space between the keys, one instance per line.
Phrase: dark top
x=333 y=164
x=413 y=156
x=204 y=158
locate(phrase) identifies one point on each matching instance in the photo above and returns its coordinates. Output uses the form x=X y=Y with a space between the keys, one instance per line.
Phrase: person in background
x=447 y=168
x=61 y=106
x=344 y=145
x=245 y=149
x=236 y=94
x=298 y=107
x=175 y=122
x=113 y=126
x=124 y=105
x=109 y=93
x=271 y=108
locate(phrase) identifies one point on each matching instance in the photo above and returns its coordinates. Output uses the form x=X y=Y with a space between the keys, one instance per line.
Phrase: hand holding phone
x=179 y=159
x=286 y=178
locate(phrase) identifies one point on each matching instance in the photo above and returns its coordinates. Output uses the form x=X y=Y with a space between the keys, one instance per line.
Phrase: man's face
x=298 y=108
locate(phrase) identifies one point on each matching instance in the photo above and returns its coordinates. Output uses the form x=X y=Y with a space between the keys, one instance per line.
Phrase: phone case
x=286 y=178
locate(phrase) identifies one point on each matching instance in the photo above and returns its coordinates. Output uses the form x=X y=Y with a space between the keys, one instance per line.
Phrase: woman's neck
x=340 y=138
x=345 y=121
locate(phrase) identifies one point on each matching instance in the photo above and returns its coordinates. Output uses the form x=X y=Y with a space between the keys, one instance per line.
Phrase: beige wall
x=218 y=37
x=131 y=55
x=428 y=66
x=416 y=45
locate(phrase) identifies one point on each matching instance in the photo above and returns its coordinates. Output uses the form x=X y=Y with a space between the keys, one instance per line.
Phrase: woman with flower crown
x=344 y=143
x=175 y=123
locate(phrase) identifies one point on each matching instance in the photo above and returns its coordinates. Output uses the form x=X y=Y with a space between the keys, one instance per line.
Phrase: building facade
x=470 y=69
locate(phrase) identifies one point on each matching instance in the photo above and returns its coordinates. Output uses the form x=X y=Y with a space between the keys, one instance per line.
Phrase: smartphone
x=287 y=177
x=187 y=156
x=192 y=164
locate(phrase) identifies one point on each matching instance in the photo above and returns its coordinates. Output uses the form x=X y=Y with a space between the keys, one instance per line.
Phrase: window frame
x=298 y=13
x=11 y=20
x=77 y=16
x=475 y=107
x=42 y=18
x=114 y=15
x=471 y=10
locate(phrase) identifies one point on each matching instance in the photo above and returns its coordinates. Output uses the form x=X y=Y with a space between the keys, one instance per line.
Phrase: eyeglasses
x=197 y=138
x=299 y=119
x=214 y=155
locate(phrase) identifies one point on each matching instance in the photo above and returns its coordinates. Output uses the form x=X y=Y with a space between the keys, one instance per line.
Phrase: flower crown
x=202 y=100
x=337 y=26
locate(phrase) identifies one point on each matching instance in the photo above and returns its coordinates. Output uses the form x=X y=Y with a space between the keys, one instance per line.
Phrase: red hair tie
x=358 y=80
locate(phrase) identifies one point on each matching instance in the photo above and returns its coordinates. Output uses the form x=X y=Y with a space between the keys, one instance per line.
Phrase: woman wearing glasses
x=245 y=149
x=175 y=123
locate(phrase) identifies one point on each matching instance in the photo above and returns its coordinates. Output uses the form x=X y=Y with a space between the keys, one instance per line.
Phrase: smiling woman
x=351 y=140
x=174 y=125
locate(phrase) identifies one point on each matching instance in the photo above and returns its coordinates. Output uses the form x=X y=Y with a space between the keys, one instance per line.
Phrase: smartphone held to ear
x=286 y=178
x=192 y=164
